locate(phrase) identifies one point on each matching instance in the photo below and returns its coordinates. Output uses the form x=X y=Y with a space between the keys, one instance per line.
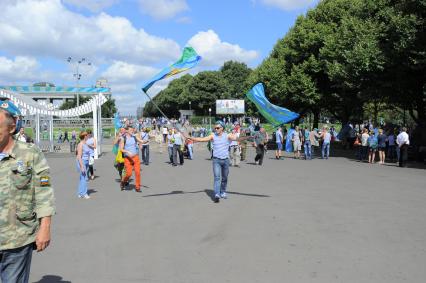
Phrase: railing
x=70 y=122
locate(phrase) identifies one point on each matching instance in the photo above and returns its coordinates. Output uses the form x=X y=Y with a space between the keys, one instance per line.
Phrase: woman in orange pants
x=129 y=147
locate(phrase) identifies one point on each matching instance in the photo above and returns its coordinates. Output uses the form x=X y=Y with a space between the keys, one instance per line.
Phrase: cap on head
x=220 y=123
x=10 y=107
x=14 y=111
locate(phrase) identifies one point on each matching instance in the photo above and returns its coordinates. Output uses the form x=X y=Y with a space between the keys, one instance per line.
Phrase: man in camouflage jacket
x=26 y=200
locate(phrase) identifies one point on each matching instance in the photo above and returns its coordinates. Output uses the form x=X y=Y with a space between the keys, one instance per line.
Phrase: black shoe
x=216 y=199
x=122 y=184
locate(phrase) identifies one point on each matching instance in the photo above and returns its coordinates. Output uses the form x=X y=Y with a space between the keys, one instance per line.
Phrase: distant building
x=48 y=91
x=139 y=112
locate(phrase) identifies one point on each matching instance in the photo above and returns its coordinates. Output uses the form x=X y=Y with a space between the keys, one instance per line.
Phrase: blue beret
x=10 y=107
x=219 y=122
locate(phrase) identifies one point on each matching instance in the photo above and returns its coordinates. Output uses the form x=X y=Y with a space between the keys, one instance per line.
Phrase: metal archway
x=30 y=107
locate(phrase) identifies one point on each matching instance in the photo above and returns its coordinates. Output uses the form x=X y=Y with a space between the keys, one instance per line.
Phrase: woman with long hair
x=83 y=155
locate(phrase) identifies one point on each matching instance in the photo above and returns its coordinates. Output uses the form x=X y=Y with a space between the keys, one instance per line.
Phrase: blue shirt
x=131 y=144
x=279 y=137
x=220 y=146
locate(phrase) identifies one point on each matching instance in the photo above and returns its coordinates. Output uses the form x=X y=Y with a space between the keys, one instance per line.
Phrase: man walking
x=307 y=144
x=220 y=142
x=26 y=198
x=403 y=142
x=145 y=146
x=177 y=147
x=235 y=149
x=326 y=137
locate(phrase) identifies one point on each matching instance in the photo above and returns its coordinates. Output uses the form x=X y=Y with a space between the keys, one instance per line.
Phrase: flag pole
x=158 y=108
x=155 y=104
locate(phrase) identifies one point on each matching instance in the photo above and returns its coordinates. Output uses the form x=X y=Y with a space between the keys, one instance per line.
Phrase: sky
x=129 y=41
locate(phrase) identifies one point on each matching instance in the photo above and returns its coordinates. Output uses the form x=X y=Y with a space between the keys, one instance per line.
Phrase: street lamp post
x=190 y=106
x=77 y=74
x=210 y=118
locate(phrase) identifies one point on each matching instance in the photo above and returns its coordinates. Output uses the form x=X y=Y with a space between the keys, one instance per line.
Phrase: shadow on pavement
x=91 y=191
x=52 y=279
x=209 y=193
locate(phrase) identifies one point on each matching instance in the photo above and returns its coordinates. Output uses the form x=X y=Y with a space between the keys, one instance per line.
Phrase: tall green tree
x=108 y=108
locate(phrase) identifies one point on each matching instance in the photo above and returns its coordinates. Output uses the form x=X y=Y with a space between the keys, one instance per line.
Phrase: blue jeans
x=190 y=150
x=82 y=185
x=170 y=151
x=308 y=150
x=325 y=150
x=220 y=173
x=145 y=154
x=15 y=264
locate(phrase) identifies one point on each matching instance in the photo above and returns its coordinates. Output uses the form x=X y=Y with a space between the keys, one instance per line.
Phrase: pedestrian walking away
x=26 y=198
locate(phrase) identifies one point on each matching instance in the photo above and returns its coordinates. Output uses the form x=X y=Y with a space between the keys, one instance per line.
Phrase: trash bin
x=72 y=146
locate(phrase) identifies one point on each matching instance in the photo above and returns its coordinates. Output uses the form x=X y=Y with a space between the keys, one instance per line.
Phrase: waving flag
x=274 y=114
x=117 y=122
x=188 y=60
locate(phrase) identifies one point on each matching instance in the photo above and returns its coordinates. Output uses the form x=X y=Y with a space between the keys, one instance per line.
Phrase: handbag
x=119 y=158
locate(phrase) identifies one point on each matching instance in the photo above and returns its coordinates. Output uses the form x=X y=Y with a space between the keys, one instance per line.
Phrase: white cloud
x=91 y=5
x=20 y=69
x=288 y=5
x=215 y=52
x=121 y=71
x=47 y=28
x=163 y=9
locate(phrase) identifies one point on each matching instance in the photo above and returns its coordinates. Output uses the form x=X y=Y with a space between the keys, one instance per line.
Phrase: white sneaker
x=86 y=197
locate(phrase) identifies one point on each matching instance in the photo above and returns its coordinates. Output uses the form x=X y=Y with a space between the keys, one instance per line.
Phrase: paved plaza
x=333 y=220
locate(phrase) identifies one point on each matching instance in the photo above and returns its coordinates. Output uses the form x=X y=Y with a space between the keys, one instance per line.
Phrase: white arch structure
x=30 y=107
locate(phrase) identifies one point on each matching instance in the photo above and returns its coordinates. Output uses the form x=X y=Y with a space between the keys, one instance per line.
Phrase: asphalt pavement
x=289 y=220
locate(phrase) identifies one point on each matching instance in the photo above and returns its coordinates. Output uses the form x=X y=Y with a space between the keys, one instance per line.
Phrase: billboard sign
x=230 y=106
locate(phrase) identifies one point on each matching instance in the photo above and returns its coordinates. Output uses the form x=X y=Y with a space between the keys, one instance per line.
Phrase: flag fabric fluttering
x=275 y=115
x=117 y=122
x=188 y=60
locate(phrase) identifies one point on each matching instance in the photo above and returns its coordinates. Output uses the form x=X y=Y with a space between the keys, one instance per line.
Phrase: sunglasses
x=217 y=128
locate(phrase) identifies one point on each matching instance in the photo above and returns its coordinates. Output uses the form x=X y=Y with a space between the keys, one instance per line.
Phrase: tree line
x=340 y=58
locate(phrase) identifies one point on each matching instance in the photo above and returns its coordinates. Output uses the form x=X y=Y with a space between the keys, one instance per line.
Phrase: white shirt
x=165 y=131
x=22 y=138
x=364 y=139
x=402 y=139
